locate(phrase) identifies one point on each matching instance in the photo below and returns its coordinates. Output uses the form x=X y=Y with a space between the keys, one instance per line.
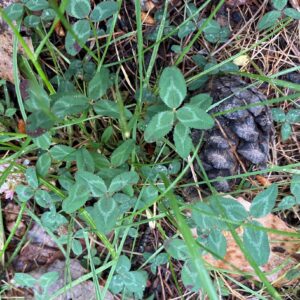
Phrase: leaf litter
x=283 y=256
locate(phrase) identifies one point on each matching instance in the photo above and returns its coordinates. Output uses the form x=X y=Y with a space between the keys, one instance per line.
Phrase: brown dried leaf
x=39 y=251
x=21 y=229
x=37 y=235
x=263 y=181
x=11 y=212
x=34 y=256
x=59 y=29
x=282 y=249
x=82 y=291
x=147 y=19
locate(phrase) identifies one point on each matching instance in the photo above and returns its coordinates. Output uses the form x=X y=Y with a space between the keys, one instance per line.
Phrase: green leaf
x=286 y=131
x=293 y=116
x=125 y=202
x=153 y=268
x=161 y=259
x=269 y=19
x=43 y=198
x=63 y=153
x=48 y=15
x=121 y=154
x=198 y=83
x=32 y=21
x=213 y=37
x=176 y=248
x=148 y=194
x=186 y=29
x=279 y=4
x=84 y=160
x=182 y=139
x=122 y=180
x=233 y=209
x=293 y=13
x=32 y=177
x=37 y=99
x=76 y=247
x=190 y=277
x=199 y=60
x=107 y=173
x=287 y=202
x=94 y=183
x=78 y=8
x=24 y=192
x=212 y=27
x=135 y=282
x=203 y=216
x=48 y=279
x=36 y=5
x=194 y=117
x=82 y=31
x=24 y=280
x=123 y=264
x=14 y=11
x=107 y=134
x=43 y=164
x=104 y=10
x=10 y=112
x=191 y=9
x=101 y=162
x=43 y=141
x=172 y=87
x=132 y=283
x=203 y=101
x=264 y=202
x=174 y=167
x=99 y=84
x=229 y=67
x=293 y=274
x=217 y=243
x=69 y=104
x=105 y=214
x=212 y=64
x=109 y=108
x=38 y=123
x=116 y=285
x=278 y=115
x=295 y=187
x=176 y=49
x=257 y=243
x=214 y=33
x=78 y=195
x=66 y=180
x=80 y=235
x=159 y=126
x=53 y=220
